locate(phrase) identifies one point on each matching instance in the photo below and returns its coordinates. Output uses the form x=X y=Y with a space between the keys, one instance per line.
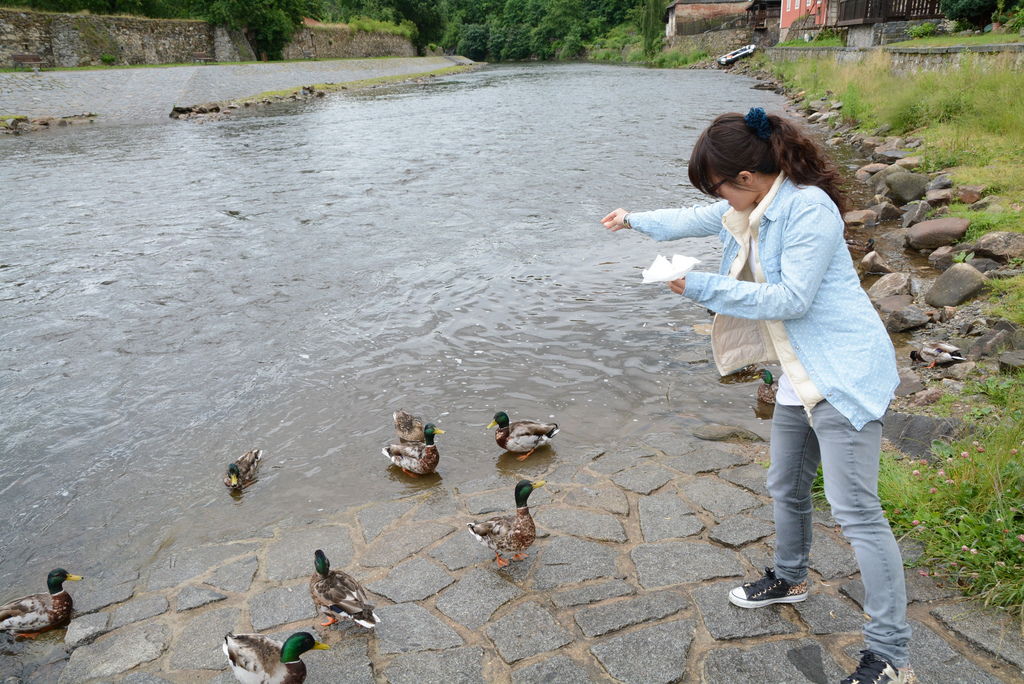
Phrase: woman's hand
x=678 y=286
x=615 y=220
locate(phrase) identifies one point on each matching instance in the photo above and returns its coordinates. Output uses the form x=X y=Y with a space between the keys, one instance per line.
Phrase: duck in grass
x=244 y=470
x=335 y=594
x=31 y=615
x=416 y=458
x=937 y=353
x=408 y=426
x=509 y=533
x=768 y=388
x=522 y=435
x=258 y=659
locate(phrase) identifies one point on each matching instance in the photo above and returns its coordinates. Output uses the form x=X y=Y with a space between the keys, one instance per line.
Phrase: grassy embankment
x=622 y=45
x=967 y=505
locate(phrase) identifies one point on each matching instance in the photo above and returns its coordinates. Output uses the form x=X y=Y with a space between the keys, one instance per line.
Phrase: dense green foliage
x=974 y=12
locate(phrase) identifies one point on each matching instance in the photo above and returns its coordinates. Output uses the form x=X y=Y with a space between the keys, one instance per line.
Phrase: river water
x=173 y=295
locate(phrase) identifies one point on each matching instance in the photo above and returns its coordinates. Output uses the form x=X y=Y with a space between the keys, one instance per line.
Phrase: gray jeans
x=849 y=461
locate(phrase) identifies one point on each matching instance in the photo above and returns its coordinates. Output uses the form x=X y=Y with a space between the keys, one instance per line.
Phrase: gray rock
x=999 y=245
x=292 y=555
x=718 y=497
x=620 y=459
x=723 y=433
x=890 y=285
x=704 y=459
x=914 y=213
x=670 y=443
x=907 y=187
x=939 y=198
x=91 y=599
x=940 y=182
x=84 y=630
x=992 y=342
x=504 y=501
x=826 y=614
x=375 y=518
x=1011 y=361
x=740 y=530
x=751 y=476
x=438 y=504
x=526 y=631
x=236 y=577
x=144 y=678
x=116 y=653
x=937 y=232
x=346 y=663
x=174 y=568
x=582 y=524
x=462 y=550
x=199 y=646
x=567 y=560
x=557 y=670
x=984 y=628
x=668 y=563
x=791 y=661
x=457 y=666
x=992 y=203
x=652 y=655
x=592 y=593
x=956 y=285
x=913 y=434
x=475 y=597
x=409 y=627
x=137 y=610
x=412 y=580
x=909 y=383
x=610 y=617
x=279 y=606
x=726 y=621
x=887 y=305
x=942 y=257
x=666 y=516
x=400 y=544
x=642 y=479
x=194 y=597
x=606 y=498
x=906 y=318
x=886 y=211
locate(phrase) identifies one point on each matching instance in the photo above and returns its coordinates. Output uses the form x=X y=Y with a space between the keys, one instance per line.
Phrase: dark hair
x=766 y=143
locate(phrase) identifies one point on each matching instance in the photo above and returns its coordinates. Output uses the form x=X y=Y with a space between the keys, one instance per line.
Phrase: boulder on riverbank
x=956 y=285
x=936 y=232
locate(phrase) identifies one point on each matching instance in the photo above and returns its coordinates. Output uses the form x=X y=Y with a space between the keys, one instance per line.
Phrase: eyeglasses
x=713 y=190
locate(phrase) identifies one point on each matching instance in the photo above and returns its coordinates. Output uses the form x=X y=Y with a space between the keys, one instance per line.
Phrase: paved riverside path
x=146 y=95
x=640 y=543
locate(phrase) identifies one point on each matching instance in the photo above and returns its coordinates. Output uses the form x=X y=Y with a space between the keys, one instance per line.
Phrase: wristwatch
x=625 y=221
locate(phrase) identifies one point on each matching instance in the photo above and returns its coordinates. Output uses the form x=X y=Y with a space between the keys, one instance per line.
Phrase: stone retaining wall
x=910 y=59
x=70 y=40
x=715 y=43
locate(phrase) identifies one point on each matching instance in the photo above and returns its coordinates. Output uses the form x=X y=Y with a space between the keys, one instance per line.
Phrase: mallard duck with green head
x=768 y=388
x=244 y=470
x=30 y=615
x=509 y=533
x=416 y=458
x=337 y=594
x=258 y=659
x=937 y=353
x=522 y=435
x=408 y=426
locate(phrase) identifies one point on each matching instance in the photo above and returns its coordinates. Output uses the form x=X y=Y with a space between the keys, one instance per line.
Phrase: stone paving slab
x=475 y=597
x=462 y=550
x=582 y=524
x=93 y=598
x=84 y=630
x=668 y=563
x=666 y=516
x=567 y=560
x=827 y=614
x=739 y=530
x=292 y=555
x=526 y=631
x=412 y=580
x=374 y=519
x=719 y=498
x=346 y=663
x=986 y=629
x=608 y=499
x=726 y=621
x=592 y=593
x=642 y=479
x=556 y=670
x=196 y=597
x=399 y=545
x=237 y=576
x=750 y=476
x=620 y=458
x=137 y=610
x=610 y=617
x=199 y=645
x=456 y=666
x=704 y=459
x=651 y=655
x=279 y=606
x=409 y=627
x=793 y=662
x=116 y=653
x=174 y=568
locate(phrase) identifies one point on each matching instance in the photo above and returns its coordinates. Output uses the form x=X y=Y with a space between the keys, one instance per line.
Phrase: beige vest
x=740 y=342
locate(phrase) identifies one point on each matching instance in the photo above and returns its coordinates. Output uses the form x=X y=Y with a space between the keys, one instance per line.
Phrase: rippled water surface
x=173 y=295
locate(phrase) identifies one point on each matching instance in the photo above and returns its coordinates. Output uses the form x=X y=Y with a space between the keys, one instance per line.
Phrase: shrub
x=108 y=58
x=975 y=12
x=473 y=41
x=923 y=30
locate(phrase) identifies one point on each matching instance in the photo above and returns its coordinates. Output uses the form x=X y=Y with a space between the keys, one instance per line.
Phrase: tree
x=269 y=23
x=975 y=12
x=652 y=27
x=473 y=41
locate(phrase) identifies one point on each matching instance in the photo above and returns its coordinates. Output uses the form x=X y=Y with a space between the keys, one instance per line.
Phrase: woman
x=787 y=291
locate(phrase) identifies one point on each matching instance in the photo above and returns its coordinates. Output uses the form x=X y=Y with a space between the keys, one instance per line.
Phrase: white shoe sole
x=738 y=598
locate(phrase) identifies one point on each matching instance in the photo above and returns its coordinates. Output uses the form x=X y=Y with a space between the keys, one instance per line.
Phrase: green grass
x=1009 y=299
x=950 y=41
x=670 y=59
x=825 y=42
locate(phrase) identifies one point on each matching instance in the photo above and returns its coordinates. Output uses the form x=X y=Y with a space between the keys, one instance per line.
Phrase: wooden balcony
x=853 y=12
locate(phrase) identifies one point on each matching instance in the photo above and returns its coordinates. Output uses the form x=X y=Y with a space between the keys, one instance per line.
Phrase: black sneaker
x=874 y=669
x=766 y=591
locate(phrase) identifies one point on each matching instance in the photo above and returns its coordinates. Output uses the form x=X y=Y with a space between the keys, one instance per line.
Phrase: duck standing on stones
x=522 y=435
x=509 y=533
x=416 y=458
x=336 y=593
x=767 y=390
x=408 y=426
x=258 y=659
x=31 y=615
x=243 y=471
x=935 y=353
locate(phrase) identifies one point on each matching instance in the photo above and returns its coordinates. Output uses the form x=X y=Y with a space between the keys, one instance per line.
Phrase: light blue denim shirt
x=811 y=287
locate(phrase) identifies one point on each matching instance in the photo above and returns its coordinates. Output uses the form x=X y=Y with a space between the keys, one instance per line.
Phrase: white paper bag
x=662 y=270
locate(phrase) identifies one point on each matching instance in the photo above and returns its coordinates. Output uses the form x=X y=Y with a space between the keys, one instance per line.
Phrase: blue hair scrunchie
x=757 y=120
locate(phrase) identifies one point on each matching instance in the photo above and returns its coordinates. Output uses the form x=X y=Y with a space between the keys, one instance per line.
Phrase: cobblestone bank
x=638 y=546
x=148 y=95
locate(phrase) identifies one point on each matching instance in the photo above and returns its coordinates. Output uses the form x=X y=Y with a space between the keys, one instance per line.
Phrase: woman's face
x=738 y=191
